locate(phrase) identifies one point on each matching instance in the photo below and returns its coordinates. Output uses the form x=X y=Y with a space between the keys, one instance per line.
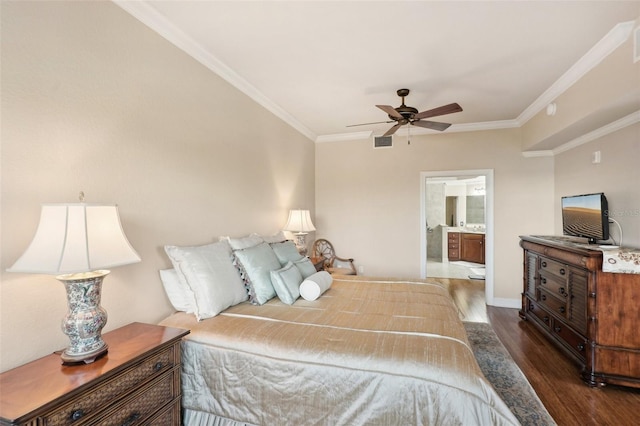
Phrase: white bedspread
x=366 y=352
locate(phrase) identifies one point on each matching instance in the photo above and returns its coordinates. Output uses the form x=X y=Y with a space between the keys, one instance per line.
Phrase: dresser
x=136 y=383
x=591 y=315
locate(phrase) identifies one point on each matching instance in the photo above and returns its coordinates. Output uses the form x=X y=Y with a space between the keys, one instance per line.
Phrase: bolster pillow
x=314 y=285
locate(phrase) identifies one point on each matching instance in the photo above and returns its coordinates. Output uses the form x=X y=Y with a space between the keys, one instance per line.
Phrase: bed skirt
x=200 y=418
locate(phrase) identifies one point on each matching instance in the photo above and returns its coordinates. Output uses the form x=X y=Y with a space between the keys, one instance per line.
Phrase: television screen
x=586 y=216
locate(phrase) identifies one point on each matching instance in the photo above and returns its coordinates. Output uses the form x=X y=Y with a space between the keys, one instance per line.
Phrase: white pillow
x=305 y=266
x=257 y=263
x=244 y=242
x=178 y=292
x=313 y=286
x=277 y=238
x=286 y=281
x=209 y=272
x=286 y=252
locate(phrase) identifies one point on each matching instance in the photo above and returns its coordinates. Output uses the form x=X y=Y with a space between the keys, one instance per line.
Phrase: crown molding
x=159 y=23
x=338 y=137
x=609 y=43
x=614 y=126
x=541 y=153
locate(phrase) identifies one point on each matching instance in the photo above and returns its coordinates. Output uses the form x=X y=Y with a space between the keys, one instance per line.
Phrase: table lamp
x=300 y=224
x=77 y=242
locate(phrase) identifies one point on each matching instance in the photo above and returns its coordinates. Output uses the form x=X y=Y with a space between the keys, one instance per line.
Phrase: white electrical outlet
x=596 y=157
x=361 y=270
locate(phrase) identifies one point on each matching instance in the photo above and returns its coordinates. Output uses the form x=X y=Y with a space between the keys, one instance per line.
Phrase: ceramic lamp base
x=301 y=242
x=85 y=319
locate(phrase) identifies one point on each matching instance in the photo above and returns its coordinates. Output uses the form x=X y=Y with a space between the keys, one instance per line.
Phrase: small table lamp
x=77 y=242
x=300 y=224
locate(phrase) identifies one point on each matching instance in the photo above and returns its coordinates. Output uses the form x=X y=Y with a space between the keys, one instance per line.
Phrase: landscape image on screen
x=582 y=216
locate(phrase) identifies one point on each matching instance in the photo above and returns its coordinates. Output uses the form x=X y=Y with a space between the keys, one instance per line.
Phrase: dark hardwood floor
x=554 y=376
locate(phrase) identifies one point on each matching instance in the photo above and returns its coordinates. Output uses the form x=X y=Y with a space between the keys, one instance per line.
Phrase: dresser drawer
x=574 y=341
x=556 y=268
x=552 y=303
x=81 y=408
x=539 y=313
x=553 y=284
x=145 y=403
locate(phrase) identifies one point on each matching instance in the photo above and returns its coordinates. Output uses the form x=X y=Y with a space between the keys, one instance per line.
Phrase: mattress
x=368 y=351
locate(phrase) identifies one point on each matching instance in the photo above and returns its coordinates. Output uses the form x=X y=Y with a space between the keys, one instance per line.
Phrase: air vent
x=383 y=142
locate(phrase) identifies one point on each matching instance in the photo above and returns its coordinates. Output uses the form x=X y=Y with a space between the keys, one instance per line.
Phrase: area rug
x=505 y=376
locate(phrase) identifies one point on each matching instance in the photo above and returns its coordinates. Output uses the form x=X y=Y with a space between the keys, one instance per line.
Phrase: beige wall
x=368 y=200
x=618 y=176
x=94 y=101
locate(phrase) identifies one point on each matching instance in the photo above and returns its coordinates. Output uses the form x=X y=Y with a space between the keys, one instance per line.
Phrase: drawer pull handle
x=543 y=297
x=131 y=419
x=580 y=347
x=76 y=415
x=544 y=281
x=561 y=290
x=562 y=309
x=545 y=319
x=557 y=329
x=544 y=264
x=158 y=366
x=562 y=271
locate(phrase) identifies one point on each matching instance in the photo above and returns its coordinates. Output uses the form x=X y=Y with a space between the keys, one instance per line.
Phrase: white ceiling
x=323 y=65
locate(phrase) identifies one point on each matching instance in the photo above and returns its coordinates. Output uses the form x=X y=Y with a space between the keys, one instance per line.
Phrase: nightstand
x=318 y=262
x=136 y=383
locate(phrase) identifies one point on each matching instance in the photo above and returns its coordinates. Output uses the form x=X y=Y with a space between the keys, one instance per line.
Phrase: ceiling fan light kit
x=409 y=115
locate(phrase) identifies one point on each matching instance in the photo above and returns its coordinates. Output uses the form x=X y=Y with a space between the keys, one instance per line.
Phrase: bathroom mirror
x=475 y=209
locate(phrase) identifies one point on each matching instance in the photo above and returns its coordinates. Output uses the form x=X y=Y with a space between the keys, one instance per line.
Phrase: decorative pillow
x=178 y=292
x=277 y=238
x=305 y=266
x=209 y=272
x=313 y=286
x=286 y=282
x=257 y=263
x=244 y=242
x=286 y=252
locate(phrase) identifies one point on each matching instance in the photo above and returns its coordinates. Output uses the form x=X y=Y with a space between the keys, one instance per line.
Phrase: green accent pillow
x=286 y=282
x=257 y=262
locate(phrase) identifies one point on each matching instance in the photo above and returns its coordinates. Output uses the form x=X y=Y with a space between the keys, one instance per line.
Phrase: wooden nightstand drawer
x=85 y=405
x=145 y=403
x=170 y=415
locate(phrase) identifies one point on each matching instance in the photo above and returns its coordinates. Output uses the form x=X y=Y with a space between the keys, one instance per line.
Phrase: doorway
x=467 y=207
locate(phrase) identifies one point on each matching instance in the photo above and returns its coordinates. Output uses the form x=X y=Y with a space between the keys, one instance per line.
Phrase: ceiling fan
x=409 y=115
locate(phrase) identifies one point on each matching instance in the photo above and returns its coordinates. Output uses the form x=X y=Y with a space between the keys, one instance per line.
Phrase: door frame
x=488 y=175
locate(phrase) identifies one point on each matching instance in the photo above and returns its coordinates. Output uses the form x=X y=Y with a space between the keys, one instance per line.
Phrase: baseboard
x=506 y=303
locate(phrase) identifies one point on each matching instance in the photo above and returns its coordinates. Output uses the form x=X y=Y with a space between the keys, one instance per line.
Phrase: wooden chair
x=332 y=264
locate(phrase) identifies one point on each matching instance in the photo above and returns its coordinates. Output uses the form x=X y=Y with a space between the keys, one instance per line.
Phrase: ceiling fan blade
x=445 y=109
x=434 y=125
x=393 y=129
x=375 y=122
x=391 y=111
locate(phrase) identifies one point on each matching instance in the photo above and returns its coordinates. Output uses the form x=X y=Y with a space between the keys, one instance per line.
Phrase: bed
x=367 y=351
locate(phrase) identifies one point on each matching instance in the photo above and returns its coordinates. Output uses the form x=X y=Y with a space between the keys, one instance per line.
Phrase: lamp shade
x=299 y=221
x=73 y=238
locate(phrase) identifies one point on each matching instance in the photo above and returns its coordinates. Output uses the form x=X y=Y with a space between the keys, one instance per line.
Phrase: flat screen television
x=586 y=216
